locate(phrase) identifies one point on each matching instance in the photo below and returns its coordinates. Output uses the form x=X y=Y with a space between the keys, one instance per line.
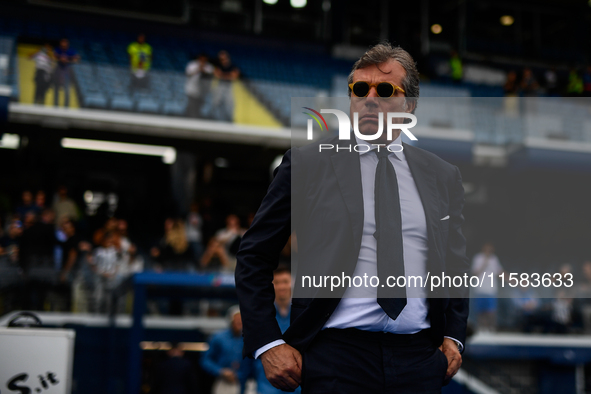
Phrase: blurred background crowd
x=55 y=258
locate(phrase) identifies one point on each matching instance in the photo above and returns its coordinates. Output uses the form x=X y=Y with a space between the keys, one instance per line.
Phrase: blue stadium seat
x=177 y=108
x=95 y=100
x=122 y=103
x=148 y=105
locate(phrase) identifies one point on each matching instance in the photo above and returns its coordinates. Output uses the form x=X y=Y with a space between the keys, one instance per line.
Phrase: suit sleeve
x=258 y=257
x=456 y=313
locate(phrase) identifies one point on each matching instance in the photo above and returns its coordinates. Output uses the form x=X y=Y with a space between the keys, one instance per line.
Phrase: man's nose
x=371 y=100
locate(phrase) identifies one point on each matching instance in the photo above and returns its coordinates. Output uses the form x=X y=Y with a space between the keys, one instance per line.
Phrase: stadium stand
x=273 y=75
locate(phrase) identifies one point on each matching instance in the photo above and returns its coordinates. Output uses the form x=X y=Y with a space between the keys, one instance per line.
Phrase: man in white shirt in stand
x=199 y=73
x=485 y=296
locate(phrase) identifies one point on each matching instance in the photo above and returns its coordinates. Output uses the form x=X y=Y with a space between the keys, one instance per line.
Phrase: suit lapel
x=426 y=180
x=348 y=173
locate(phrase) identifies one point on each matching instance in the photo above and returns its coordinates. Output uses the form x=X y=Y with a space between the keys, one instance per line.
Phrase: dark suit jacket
x=319 y=196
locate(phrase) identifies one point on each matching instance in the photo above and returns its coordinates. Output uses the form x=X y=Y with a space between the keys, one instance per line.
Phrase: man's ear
x=410 y=105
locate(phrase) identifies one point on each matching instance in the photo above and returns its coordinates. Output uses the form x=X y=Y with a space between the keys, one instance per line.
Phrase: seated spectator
x=172 y=252
x=198 y=72
x=224 y=356
x=223 y=99
x=140 y=59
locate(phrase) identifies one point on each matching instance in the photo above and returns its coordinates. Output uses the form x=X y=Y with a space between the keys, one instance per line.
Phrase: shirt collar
x=397 y=141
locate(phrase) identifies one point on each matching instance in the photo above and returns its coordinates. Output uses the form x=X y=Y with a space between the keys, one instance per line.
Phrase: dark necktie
x=388 y=235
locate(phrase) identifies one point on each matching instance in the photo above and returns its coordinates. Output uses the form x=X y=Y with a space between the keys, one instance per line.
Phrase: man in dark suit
x=360 y=212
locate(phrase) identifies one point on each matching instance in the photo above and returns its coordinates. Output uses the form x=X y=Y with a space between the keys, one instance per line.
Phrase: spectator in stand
x=562 y=313
x=224 y=356
x=456 y=67
x=175 y=375
x=9 y=243
x=525 y=304
x=106 y=263
x=198 y=84
x=74 y=249
x=36 y=260
x=43 y=72
x=133 y=263
x=584 y=286
x=225 y=244
x=223 y=100
x=71 y=250
x=64 y=207
x=110 y=226
x=486 y=263
x=27 y=205
x=529 y=85
x=40 y=200
x=29 y=220
x=65 y=57
x=38 y=242
x=140 y=59
x=172 y=252
x=194 y=231
x=574 y=87
x=254 y=368
x=551 y=82
x=511 y=87
x=587 y=82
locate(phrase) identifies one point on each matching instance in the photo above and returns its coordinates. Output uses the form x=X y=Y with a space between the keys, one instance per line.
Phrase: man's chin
x=369 y=130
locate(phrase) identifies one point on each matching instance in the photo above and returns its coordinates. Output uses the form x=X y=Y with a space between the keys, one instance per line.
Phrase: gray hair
x=383 y=52
x=232 y=311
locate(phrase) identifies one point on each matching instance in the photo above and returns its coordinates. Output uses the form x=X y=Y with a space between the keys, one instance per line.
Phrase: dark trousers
x=194 y=106
x=355 y=361
x=138 y=84
x=42 y=83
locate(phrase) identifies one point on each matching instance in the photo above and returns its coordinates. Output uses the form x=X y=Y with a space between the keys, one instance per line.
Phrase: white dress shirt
x=359 y=307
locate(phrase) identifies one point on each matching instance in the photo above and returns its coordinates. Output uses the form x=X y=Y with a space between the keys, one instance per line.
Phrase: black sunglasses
x=383 y=89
